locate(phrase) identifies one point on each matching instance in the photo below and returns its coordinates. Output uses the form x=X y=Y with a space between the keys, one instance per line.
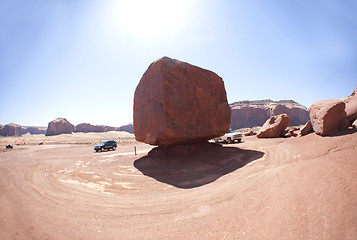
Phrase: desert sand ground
x=286 y=188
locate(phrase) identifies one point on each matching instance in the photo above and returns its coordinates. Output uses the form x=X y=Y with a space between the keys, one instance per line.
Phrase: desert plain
x=277 y=188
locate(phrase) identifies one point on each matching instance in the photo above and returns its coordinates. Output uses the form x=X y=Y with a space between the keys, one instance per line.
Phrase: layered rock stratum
x=246 y=114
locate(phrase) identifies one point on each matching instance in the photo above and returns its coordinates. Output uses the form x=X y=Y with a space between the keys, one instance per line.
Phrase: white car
x=229 y=137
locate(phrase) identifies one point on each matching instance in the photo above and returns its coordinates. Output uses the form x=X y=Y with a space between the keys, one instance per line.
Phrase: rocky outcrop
x=274 y=126
x=86 y=127
x=33 y=130
x=11 y=129
x=246 y=114
x=59 y=126
x=127 y=128
x=328 y=117
x=351 y=106
x=176 y=102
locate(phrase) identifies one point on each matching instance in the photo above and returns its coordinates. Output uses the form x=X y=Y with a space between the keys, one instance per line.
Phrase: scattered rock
x=328 y=117
x=255 y=113
x=249 y=133
x=274 y=126
x=351 y=106
x=59 y=126
x=307 y=128
x=11 y=129
x=176 y=102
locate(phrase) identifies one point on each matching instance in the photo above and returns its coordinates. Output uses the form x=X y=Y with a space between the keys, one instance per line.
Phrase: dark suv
x=106 y=145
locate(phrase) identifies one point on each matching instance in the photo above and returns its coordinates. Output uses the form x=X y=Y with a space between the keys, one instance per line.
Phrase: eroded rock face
x=351 y=106
x=328 y=117
x=246 y=114
x=176 y=102
x=274 y=126
x=33 y=130
x=86 y=127
x=11 y=129
x=59 y=126
x=127 y=128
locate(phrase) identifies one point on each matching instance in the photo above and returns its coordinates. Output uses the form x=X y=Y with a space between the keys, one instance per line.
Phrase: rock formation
x=176 y=102
x=33 y=130
x=127 y=128
x=307 y=128
x=11 y=129
x=328 y=117
x=351 y=106
x=59 y=126
x=86 y=127
x=246 y=114
x=274 y=126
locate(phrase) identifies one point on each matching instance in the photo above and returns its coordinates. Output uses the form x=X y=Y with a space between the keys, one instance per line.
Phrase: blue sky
x=82 y=59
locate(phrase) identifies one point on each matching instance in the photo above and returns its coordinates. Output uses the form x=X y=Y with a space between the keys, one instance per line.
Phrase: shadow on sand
x=194 y=165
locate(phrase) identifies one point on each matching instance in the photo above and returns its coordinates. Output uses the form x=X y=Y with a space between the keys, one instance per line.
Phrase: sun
x=151 y=18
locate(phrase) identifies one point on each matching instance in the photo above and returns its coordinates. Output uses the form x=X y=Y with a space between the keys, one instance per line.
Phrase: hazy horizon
x=82 y=60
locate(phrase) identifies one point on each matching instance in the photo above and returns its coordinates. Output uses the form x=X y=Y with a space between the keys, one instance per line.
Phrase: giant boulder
x=59 y=126
x=328 y=117
x=274 y=126
x=11 y=129
x=176 y=102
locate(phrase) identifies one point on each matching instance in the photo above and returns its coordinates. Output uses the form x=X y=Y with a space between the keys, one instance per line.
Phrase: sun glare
x=150 y=18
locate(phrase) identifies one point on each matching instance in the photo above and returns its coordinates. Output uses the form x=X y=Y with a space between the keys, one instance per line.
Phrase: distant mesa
x=11 y=129
x=246 y=114
x=127 y=128
x=86 y=127
x=59 y=126
x=33 y=130
x=176 y=102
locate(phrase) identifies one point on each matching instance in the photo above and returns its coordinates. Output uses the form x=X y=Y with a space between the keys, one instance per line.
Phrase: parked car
x=229 y=137
x=106 y=145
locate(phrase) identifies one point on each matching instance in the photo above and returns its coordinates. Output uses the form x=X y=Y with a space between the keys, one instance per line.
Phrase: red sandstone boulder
x=351 y=106
x=307 y=128
x=11 y=129
x=59 y=126
x=274 y=126
x=176 y=102
x=328 y=117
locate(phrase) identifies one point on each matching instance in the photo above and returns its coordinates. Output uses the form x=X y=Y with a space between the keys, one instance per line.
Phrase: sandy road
x=297 y=188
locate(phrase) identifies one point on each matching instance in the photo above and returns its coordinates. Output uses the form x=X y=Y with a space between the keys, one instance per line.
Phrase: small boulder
x=307 y=128
x=274 y=126
x=176 y=102
x=328 y=117
x=59 y=126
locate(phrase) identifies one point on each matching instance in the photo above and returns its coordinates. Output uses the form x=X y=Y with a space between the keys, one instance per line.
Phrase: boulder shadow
x=193 y=165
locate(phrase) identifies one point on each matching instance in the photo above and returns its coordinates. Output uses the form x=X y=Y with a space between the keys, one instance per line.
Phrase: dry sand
x=294 y=188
